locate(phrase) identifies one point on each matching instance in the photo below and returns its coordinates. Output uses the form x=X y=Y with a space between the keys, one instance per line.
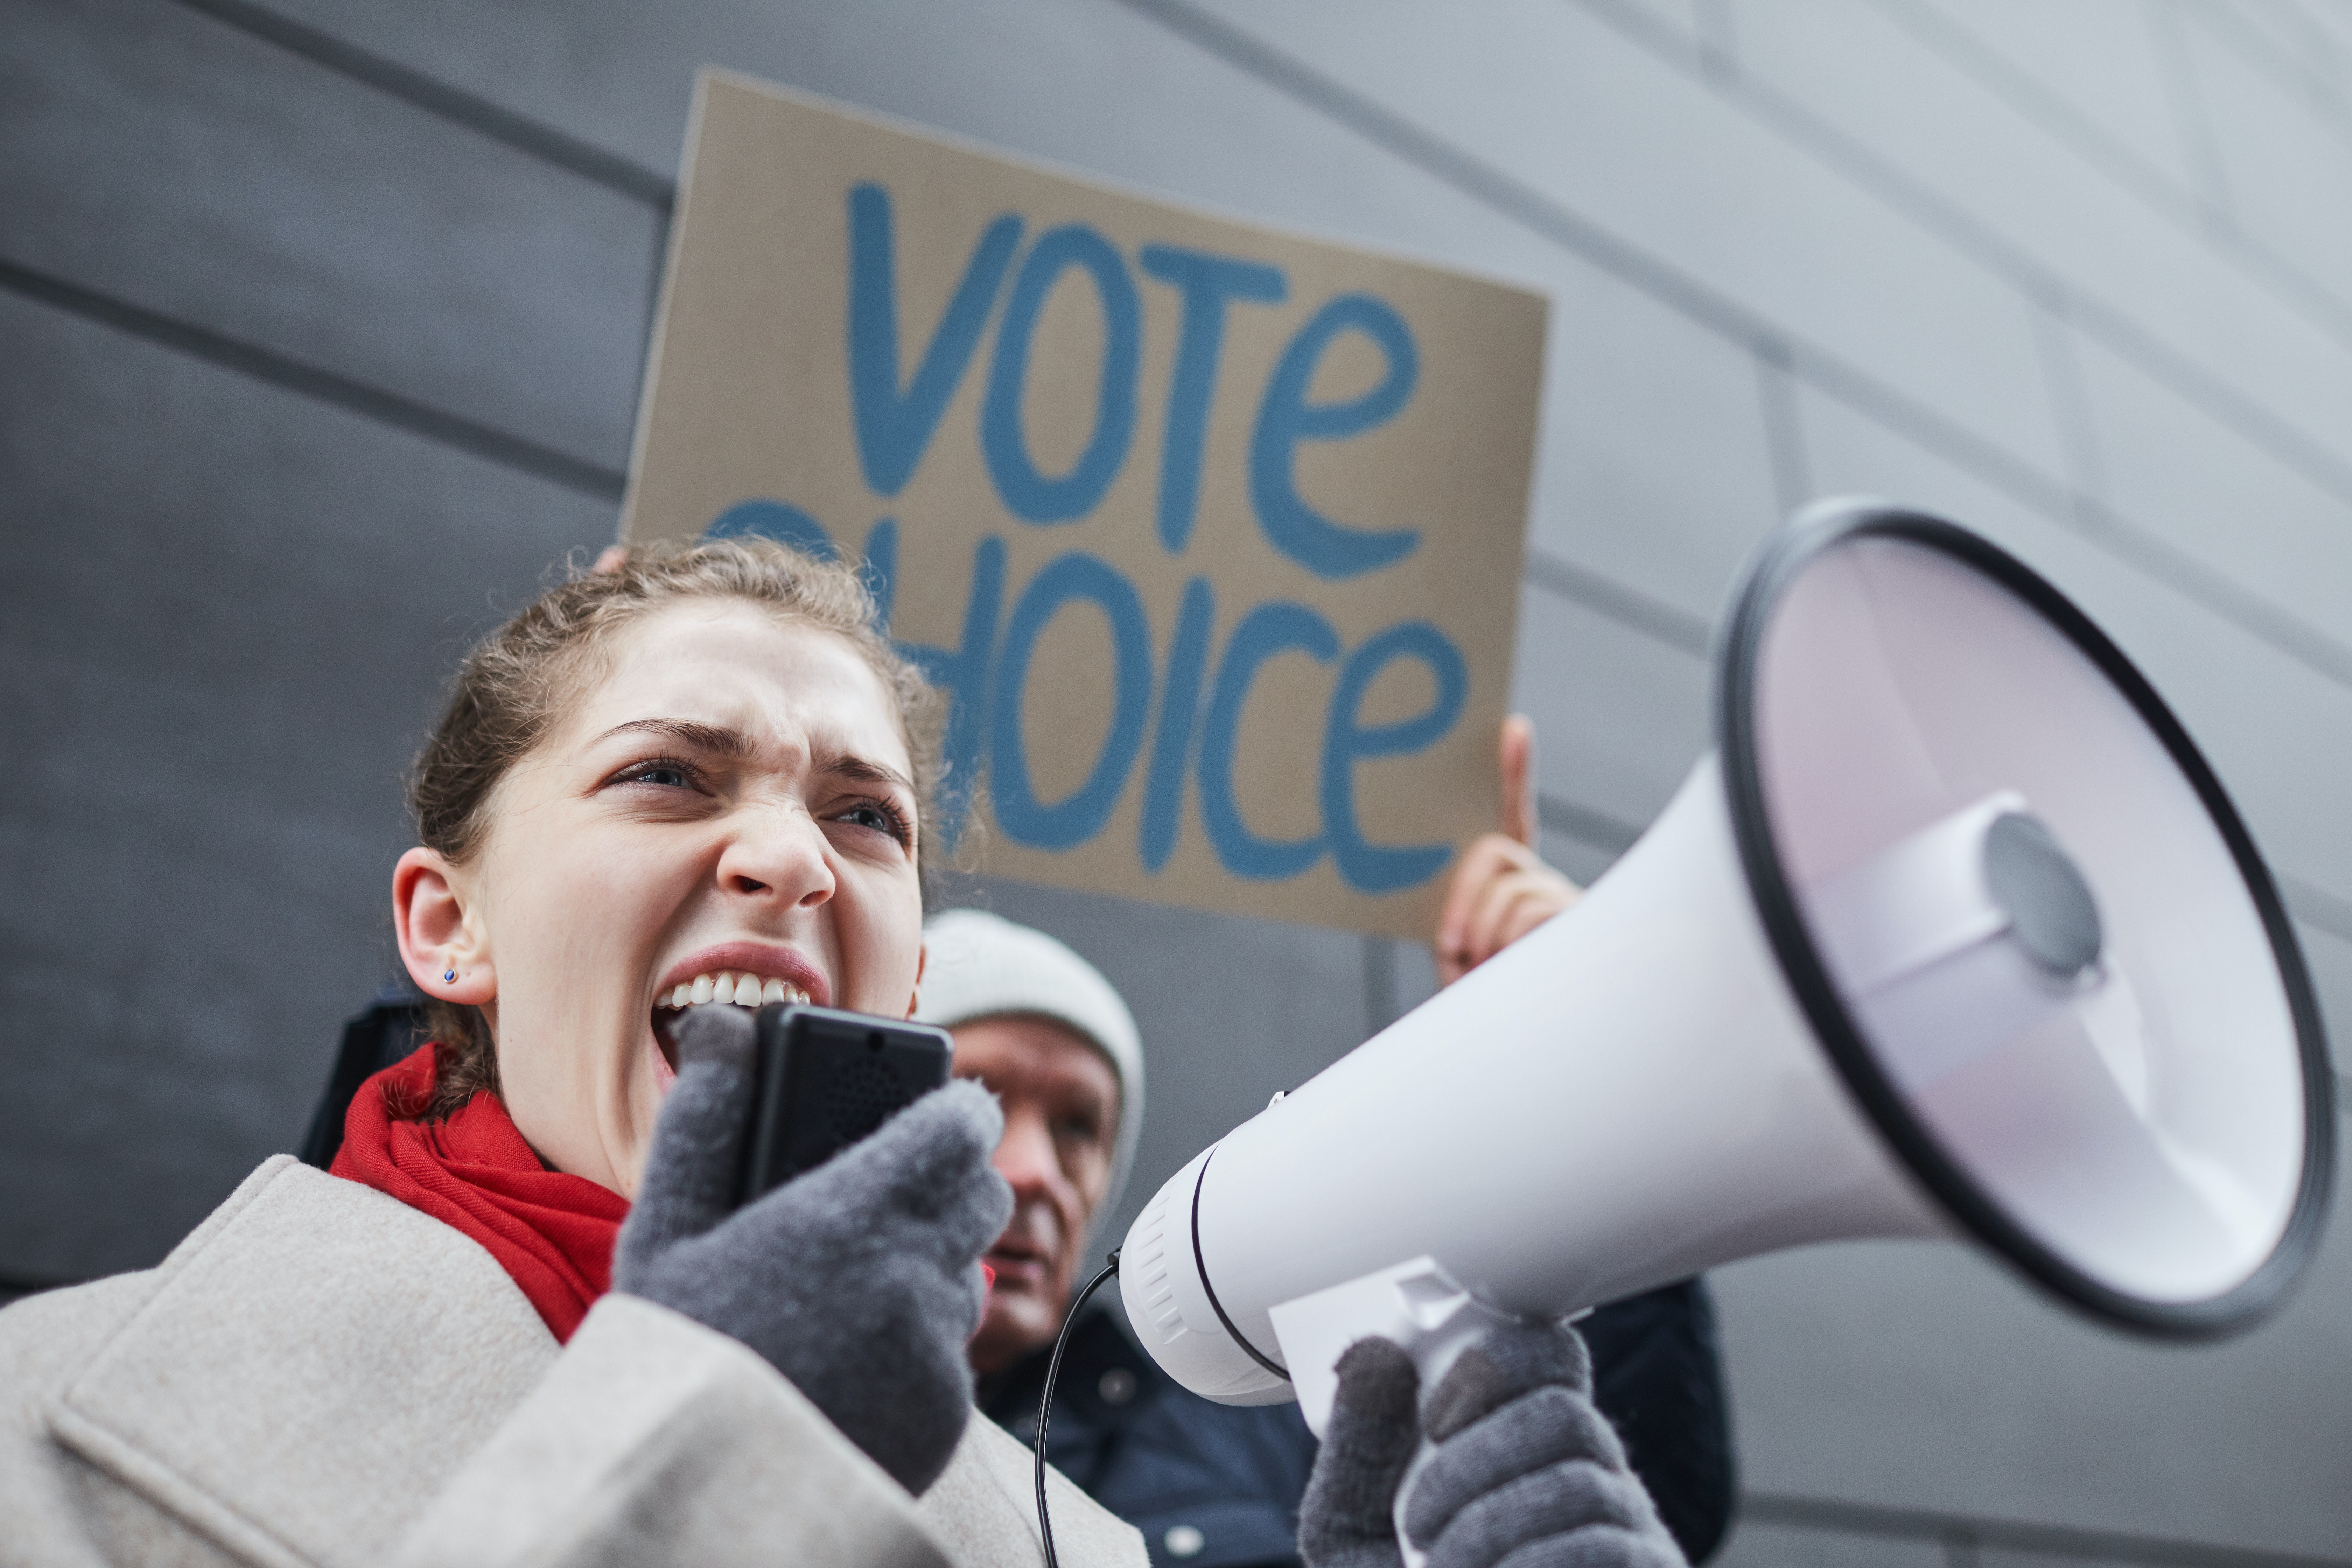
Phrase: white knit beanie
x=982 y=965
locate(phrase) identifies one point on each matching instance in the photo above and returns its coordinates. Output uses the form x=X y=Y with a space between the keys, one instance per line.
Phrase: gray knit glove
x=1526 y=1467
x=859 y=1281
x=1347 y=1518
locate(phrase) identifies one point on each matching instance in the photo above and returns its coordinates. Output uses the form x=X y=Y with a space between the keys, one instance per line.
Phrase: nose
x=1026 y=1157
x=778 y=853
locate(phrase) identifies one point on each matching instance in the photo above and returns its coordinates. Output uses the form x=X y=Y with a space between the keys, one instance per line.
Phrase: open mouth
x=742 y=988
x=736 y=987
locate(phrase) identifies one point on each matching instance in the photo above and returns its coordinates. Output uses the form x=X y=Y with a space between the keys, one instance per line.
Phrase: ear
x=441 y=943
x=915 y=997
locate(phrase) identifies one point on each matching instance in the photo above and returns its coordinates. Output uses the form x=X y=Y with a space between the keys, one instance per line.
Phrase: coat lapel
x=314 y=1363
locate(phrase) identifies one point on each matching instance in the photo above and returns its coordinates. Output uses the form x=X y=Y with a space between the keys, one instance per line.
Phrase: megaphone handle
x=1418 y=1305
x=1435 y=1350
x=1414 y=1303
x=1434 y=1354
x=1414 y=1556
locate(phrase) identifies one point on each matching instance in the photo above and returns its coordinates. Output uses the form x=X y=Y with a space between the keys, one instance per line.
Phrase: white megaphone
x=1953 y=934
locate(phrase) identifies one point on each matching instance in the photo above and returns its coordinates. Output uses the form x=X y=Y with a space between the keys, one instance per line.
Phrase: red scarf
x=552 y=1232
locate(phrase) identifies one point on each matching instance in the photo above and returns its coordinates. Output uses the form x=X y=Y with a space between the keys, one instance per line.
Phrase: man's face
x=1061 y=1121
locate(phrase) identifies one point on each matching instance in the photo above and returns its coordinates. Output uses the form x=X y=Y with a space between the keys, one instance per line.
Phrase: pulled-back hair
x=516 y=684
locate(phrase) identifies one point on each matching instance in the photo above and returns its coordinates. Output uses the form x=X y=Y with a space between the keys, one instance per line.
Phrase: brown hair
x=514 y=685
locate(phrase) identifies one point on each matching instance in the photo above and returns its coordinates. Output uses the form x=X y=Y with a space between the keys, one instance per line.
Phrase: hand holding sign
x=1501 y=888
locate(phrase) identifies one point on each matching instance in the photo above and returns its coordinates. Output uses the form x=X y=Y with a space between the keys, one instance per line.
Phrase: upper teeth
x=743 y=989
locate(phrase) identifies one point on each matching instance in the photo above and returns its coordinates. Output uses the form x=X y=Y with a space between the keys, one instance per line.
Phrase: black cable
x=1045 y=1405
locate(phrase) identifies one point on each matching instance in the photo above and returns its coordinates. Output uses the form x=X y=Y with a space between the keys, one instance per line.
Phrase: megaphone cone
x=1954 y=934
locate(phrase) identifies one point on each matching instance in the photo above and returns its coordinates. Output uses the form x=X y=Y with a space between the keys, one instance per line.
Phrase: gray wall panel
x=1687 y=18
x=2289 y=41
x=2288 y=161
x=221 y=681
x=2259 y=522
x=2098 y=58
x=2269 y=325
x=1637 y=392
x=1095 y=85
x=2329 y=955
x=1621 y=717
x=1778 y=1546
x=1921 y=1374
x=2322 y=32
x=159 y=157
x=1582 y=859
x=1414 y=980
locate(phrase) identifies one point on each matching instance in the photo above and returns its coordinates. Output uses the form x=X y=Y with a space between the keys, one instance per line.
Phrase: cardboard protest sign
x=1212 y=532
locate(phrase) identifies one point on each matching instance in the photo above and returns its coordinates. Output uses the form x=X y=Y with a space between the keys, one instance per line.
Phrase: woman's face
x=734 y=798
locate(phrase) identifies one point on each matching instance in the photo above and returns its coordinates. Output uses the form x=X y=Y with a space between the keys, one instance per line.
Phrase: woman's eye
x=663 y=775
x=880 y=817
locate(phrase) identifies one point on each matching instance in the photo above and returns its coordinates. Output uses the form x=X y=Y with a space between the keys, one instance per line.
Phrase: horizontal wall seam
x=413 y=88
x=1877 y=1522
x=2132 y=545
x=1557 y=814
x=2331 y=912
x=1833 y=148
x=453 y=430
x=1634 y=611
x=2241 y=39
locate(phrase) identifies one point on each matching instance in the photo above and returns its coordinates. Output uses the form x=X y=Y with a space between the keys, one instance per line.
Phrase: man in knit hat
x=1042 y=1028
x=1052 y=1039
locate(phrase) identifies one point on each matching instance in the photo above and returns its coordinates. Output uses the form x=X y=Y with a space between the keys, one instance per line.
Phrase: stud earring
x=448 y=976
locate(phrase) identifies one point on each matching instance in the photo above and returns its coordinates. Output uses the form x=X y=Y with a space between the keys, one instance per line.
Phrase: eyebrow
x=867 y=771
x=718 y=740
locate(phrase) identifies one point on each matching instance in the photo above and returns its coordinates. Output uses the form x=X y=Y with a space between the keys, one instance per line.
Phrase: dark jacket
x=1218 y=1486
x=393 y=1026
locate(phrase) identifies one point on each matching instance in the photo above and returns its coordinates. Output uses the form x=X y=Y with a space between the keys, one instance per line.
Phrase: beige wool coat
x=320 y=1374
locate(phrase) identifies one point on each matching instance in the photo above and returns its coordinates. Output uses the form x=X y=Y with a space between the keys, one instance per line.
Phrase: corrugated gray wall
x=320 y=333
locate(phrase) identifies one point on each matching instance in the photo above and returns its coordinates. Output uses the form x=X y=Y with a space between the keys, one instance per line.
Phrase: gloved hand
x=1347 y=1520
x=1526 y=1467
x=859 y=1281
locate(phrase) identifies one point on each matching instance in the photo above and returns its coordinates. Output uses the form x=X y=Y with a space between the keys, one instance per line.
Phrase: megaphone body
x=1635 y=1151
x=1953 y=934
